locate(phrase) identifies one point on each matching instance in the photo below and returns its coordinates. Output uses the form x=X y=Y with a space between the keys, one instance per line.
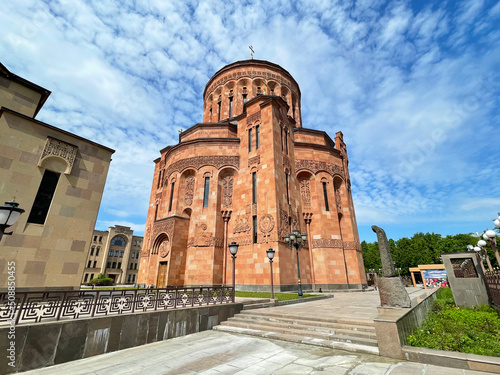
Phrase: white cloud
x=415 y=91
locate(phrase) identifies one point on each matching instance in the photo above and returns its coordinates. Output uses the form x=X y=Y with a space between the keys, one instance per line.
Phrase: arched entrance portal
x=162 y=247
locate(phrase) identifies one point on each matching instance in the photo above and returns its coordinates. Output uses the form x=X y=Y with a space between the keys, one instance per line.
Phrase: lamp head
x=9 y=213
x=304 y=237
x=481 y=243
x=490 y=233
x=270 y=253
x=233 y=248
x=287 y=238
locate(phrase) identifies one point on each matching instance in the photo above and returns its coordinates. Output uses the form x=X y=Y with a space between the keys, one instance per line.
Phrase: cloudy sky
x=413 y=85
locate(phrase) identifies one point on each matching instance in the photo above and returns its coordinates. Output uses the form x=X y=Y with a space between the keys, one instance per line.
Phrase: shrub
x=102 y=280
x=467 y=330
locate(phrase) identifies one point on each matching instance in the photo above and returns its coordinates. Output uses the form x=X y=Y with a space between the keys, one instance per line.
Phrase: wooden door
x=162 y=275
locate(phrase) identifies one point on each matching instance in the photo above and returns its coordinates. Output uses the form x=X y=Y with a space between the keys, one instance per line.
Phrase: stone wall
x=45 y=344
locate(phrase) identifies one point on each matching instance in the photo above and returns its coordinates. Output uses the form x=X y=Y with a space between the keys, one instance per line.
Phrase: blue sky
x=413 y=85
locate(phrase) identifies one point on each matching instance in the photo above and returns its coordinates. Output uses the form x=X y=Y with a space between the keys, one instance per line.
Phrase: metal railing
x=34 y=307
x=493 y=284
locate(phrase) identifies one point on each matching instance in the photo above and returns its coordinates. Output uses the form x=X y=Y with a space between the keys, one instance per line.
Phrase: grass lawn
x=467 y=330
x=278 y=296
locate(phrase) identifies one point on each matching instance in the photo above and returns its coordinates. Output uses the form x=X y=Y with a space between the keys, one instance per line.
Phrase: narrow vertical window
x=293 y=110
x=244 y=98
x=327 y=208
x=249 y=140
x=89 y=264
x=206 y=192
x=86 y=278
x=257 y=137
x=159 y=180
x=230 y=106
x=92 y=251
x=119 y=264
x=156 y=212
x=97 y=252
x=210 y=115
x=281 y=138
x=286 y=142
x=171 y=196
x=95 y=263
x=254 y=187
x=254 y=219
x=218 y=110
x=43 y=198
x=287 y=193
x=91 y=276
x=129 y=276
x=133 y=278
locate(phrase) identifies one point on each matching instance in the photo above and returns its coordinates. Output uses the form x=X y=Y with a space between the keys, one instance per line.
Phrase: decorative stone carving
x=164 y=248
x=241 y=225
x=316 y=166
x=227 y=191
x=201 y=238
x=326 y=243
x=286 y=163
x=266 y=225
x=254 y=161
x=197 y=162
x=250 y=74
x=254 y=117
x=60 y=149
x=307 y=217
x=338 y=200
x=305 y=193
x=163 y=226
x=146 y=244
x=352 y=245
x=284 y=226
x=188 y=197
x=226 y=215
x=122 y=229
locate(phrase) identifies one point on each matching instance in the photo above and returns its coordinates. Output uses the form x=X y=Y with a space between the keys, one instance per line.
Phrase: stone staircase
x=346 y=334
x=258 y=303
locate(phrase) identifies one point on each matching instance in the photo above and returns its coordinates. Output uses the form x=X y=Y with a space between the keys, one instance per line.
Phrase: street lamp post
x=482 y=245
x=297 y=240
x=477 y=249
x=270 y=255
x=9 y=213
x=233 y=249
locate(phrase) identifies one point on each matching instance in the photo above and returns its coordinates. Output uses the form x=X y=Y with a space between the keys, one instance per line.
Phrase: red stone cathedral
x=250 y=173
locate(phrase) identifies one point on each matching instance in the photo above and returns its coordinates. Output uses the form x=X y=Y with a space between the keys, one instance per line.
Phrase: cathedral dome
x=227 y=92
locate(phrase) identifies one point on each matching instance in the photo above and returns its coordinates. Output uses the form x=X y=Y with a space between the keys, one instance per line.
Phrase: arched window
x=118 y=241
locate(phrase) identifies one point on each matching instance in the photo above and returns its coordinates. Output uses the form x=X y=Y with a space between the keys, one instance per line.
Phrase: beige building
x=115 y=253
x=58 y=178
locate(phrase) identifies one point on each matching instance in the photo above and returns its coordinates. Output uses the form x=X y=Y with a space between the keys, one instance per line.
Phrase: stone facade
x=250 y=173
x=115 y=253
x=50 y=240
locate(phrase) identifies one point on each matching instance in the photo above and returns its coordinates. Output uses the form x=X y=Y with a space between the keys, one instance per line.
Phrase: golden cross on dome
x=252 y=52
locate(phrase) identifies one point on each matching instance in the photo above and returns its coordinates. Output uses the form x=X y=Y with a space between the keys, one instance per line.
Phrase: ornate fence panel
x=493 y=284
x=34 y=307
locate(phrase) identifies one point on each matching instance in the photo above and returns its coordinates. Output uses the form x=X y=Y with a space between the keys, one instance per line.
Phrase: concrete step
x=284 y=329
x=324 y=330
x=362 y=326
x=358 y=323
x=300 y=338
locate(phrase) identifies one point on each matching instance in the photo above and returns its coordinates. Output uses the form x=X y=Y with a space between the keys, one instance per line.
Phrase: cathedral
x=252 y=174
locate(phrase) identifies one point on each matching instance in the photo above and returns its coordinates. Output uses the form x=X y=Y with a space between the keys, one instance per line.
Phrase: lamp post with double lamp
x=270 y=255
x=477 y=249
x=233 y=249
x=9 y=213
x=297 y=240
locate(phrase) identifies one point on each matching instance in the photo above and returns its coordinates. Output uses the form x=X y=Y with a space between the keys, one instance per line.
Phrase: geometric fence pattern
x=493 y=284
x=34 y=307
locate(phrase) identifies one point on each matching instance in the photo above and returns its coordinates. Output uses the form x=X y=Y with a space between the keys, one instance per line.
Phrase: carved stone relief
x=305 y=192
x=254 y=161
x=188 y=198
x=241 y=224
x=254 y=117
x=338 y=200
x=63 y=150
x=326 y=243
x=197 y=162
x=227 y=191
x=286 y=163
x=266 y=226
x=164 y=248
x=316 y=166
x=164 y=226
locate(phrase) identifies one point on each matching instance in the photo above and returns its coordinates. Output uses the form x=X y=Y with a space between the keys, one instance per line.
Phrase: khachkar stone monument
x=251 y=173
x=391 y=288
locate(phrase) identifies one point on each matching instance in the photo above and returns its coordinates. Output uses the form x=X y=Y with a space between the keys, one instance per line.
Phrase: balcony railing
x=34 y=307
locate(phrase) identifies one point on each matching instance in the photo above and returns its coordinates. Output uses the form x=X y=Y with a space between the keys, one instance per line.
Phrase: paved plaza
x=215 y=352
